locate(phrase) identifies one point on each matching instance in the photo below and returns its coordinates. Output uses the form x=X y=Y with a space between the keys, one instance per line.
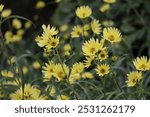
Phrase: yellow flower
x=27 y=25
x=30 y=93
x=142 y=63
x=112 y=35
x=77 y=68
x=133 y=78
x=6 y=13
x=95 y=25
x=49 y=31
x=104 y=8
x=48 y=70
x=91 y=47
x=51 y=90
x=88 y=75
x=61 y=71
x=7 y=74
x=1 y=7
x=108 y=23
x=102 y=69
x=62 y=97
x=77 y=32
x=40 y=4
x=16 y=23
x=83 y=12
x=67 y=47
x=103 y=55
x=20 y=32
x=114 y=58
x=53 y=42
x=64 y=28
x=74 y=77
x=109 y=1
x=88 y=61
x=36 y=65
x=25 y=69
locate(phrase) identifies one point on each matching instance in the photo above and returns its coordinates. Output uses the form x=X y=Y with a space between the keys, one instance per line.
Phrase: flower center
x=111 y=38
x=102 y=71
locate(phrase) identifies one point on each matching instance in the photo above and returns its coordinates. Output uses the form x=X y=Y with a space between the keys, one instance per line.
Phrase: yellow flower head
x=83 y=12
x=104 y=8
x=77 y=68
x=53 y=42
x=103 y=55
x=133 y=78
x=108 y=23
x=91 y=47
x=1 y=7
x=109 y=1
x=30 y=93
x=87 y=75
x=88 y=61
x=61 y=71
x=64 y=28
x=67 y=47
x=95 y=25
x=25 y=69
x=49 y=31
x=48 y=70
x=16 y=23
x=27 y=25
x=6 y=13
x=7 y=74
x=112 y=35
x=62 y=97
x=40 y=4
x=36 y=65
x=142 y=63
x=102 y=69
x=77 y=32
x=114 y=58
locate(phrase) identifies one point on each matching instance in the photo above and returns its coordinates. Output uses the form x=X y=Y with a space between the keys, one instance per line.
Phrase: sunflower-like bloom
x=1 y=7
x=133 y=78
x=30 y=93
x=104 y=8
x=87 y=75
x=112 y=35
x=7 y=74
x=109 y=1
x=91 y=47
x=142 y=63
x=88 y=61
x=16 y=23
x=53 y=42
x=77 y=68
x=48 y=70
x=77 y=31
x=83 y=12
x=102 y=69
x=61 y=71
x=103 y=55
x=40 y=4
x=6 y=13
x=95 y=25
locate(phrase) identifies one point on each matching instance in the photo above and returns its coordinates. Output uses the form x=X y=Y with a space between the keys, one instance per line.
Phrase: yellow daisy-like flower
x=109 y=1
x=7 y=74
x=60 y=71
x=77 y=31
x=91 y=47
x=103 y=55
x=30 y=93
x=1 y=7
x=102 y=69
x=16 y=23
x=53 y=42
x=107 y=23
x=95 y=25
x=104 y=8
x=25 y=69
x=36 y=65
x=67 y=47
x=40 y=4
x=133 y=78
x=77 y=68
x=48 y=70
x=62 y=97
x=6 y=13
x=63 y=28
x=88 y=61
x=83 y=12
x=114 y=58
x=87 y=75
x=112 y=35
x=142 y=63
